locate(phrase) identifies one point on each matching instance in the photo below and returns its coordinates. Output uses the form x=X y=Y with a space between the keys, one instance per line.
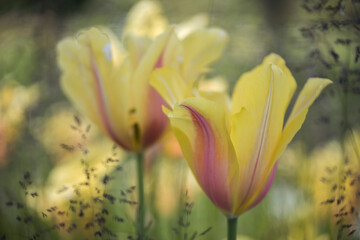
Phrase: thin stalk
x=232 y=228
x=141 y=203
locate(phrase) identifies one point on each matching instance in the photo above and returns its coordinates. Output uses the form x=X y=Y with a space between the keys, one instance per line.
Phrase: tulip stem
x=141 y=203
x=232 y=228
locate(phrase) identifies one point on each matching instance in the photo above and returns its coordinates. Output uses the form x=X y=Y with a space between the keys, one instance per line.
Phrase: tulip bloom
x=233 y=150
x=109 y=82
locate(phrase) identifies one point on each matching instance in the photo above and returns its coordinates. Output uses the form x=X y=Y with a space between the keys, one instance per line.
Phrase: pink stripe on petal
x=156 y=120
x=266 y=187
x=159 y=62
x=211 y=175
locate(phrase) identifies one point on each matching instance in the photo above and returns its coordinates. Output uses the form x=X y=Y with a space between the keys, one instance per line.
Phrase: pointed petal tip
x=325 y=81
x=275 y=59
x=318 y=84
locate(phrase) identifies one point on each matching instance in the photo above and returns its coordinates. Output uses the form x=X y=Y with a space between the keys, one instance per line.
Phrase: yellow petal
x=145 y=18
x=201 y=48
x=216 y=83
x=73 y=81
x=173 y=53
x=264 y=93
x=199 y=125
x=260 y=100
x=220 y=98
x=151 y=60
x=137 y=47
x=307 y=96
x=155 y=122
x=257 y=74
x=115 y=51
x=145 y=57
x=170 y=85
x=92 y=79
x=280 y=62
x=194 y=23
x=148 y=62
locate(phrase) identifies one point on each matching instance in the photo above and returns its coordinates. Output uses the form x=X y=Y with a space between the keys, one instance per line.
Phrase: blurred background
x=61 y=179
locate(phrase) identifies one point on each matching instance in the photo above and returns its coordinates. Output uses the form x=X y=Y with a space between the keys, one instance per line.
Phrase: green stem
x=232 y=228
x=141 y=203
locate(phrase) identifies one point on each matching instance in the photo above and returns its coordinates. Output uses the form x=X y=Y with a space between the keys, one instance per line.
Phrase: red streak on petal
x=159 y=63
x=157 y=121
x=211 y=175
x=266 y=187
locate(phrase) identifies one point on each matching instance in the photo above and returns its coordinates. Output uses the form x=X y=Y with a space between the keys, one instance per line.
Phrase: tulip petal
x=255 y=78
x=199 y=125
x=145 y=18
x=307 y=96
x=218 y=97
x=152 y=59
x=156 y=121
x=264 y=94
x=173 y=54
x=67 y=52
x=196 y=22
x=144 y=98
x=137 y=47
x=89 y=71
x=266 y=187
x=201 y=48
x=170 y=85
x=260 y=101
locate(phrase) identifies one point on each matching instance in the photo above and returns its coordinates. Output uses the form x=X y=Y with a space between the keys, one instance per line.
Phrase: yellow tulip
x=233 y=150
x=109 y=82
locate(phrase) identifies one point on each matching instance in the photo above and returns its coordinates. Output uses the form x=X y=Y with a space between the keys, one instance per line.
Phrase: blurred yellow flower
x=329 y=178
x=340 y=181
x=14 y=101
x=110 y=84
x=60 y=126
x=77 y=177
x=65 y=175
